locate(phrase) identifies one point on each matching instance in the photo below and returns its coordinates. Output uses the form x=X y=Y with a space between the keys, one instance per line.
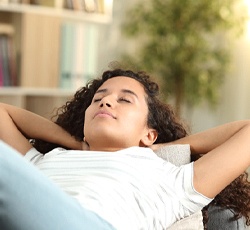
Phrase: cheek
x=87 y=118
x=137 y=119
x=88 y=113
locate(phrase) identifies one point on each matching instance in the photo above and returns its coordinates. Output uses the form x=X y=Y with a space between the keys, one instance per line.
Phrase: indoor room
x=198 y=52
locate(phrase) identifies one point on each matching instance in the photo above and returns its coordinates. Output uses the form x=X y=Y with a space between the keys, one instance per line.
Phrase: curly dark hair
x=236 y=197
x=161 y=117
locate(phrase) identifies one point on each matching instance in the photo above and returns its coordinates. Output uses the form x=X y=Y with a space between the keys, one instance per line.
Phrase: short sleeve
x=33 y=156
x=190 y=198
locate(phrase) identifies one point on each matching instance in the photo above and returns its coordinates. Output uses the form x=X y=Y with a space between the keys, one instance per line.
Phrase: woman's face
x=117 y=116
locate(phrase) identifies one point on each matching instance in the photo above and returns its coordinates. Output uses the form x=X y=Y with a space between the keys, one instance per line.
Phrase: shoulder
x=34 y=156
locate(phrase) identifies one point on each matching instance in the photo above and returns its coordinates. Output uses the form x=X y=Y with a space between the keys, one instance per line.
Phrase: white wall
x=235 y=93
x=112 y=42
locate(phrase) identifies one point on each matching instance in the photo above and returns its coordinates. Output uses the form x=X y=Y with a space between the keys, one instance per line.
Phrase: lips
x=103 y=113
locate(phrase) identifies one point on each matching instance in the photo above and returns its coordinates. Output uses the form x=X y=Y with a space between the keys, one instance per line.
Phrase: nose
x=105 y=102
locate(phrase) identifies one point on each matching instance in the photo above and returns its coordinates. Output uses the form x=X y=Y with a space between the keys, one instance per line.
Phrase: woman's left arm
x=226 y=150
x=222 y=164
x=205 y=141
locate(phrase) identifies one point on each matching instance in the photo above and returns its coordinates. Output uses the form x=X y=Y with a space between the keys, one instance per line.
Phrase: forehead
x=122 y=82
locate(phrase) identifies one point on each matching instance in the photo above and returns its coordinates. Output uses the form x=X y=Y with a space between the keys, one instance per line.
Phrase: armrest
x=219 y=218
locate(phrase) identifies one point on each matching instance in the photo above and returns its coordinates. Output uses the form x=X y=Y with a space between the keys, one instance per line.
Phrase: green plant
x=183 y=43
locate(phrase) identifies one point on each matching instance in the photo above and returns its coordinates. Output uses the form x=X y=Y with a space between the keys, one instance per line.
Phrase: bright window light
x=247 y=2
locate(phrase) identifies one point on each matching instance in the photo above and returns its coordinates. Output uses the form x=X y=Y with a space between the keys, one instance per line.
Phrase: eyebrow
x=123 y=90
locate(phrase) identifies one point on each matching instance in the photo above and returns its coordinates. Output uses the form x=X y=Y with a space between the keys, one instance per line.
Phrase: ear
x=149 y=138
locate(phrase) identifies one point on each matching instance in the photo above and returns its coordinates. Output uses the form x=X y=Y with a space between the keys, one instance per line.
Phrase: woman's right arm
x=17 y=125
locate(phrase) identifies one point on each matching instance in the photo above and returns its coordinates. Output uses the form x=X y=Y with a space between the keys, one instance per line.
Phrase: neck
x=109 y=146
x=105 y=149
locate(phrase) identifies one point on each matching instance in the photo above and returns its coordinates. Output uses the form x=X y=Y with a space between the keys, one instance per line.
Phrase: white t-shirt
x=130 y=188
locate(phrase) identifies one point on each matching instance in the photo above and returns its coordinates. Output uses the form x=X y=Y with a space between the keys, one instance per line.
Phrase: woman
x=162 y=118
x=118 y=116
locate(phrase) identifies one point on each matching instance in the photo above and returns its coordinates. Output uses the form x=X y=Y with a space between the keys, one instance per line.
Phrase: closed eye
x=96 y=100
x=124 y=99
